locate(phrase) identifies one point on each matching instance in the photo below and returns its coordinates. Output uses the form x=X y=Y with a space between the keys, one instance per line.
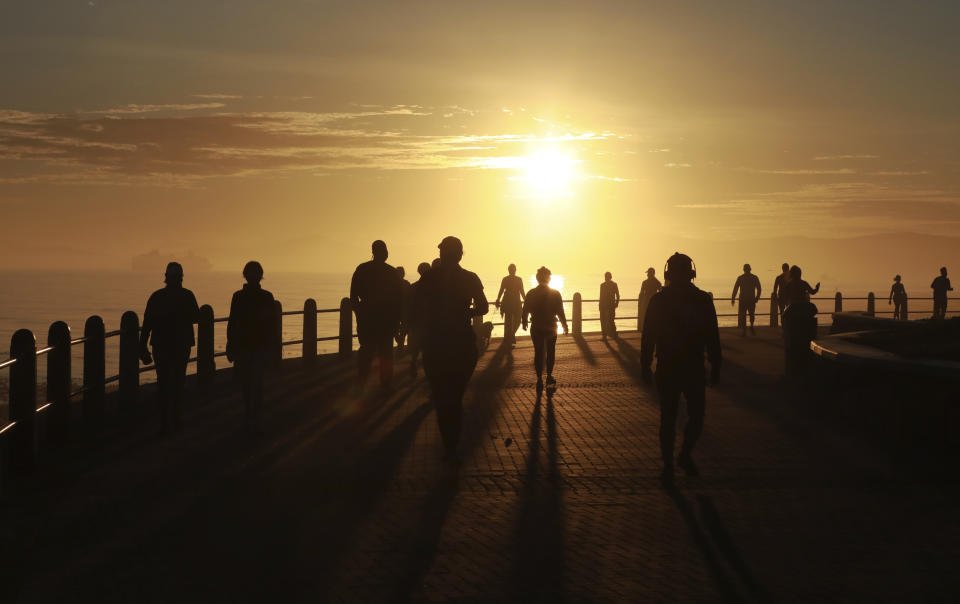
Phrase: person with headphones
x=681 y=323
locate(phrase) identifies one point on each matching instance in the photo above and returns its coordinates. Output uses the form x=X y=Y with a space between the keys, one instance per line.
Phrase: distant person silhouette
x=544 y=305
x=168 y=325
x=782 y=279
x=377 y=299
x=401 y=335
x=796 y=289
x=650 y=286
x=898 y=297
x=252 y=339
x=681 y=324
x=749 y=287
x=415 y=321
x=511 y=290
x=609 y=300
x=447 y=299
x=940 y=286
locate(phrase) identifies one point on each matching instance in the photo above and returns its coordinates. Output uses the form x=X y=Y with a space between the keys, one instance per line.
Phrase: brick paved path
x=344 y=499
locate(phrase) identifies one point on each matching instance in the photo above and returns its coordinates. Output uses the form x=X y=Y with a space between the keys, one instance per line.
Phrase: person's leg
x=163 y=388
x=365 y=354
x=385 y=352
x=612 y=320
x=538 y=345
x=668 y=392
x=550 y=344
x=179 y=380
x=694 y=391
x=742 y=315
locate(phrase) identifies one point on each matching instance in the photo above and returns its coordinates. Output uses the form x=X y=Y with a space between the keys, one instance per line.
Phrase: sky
x=586 y=136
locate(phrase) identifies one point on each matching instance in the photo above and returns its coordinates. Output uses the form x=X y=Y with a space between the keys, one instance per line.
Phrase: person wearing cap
x=168 y=327
x=748 y=285
x=376 y=295
x=609 y=301
x=544 y=306
x=650 y=286
x=898 y=297
x=252 y=338
x=681 y=323
x=448 y=297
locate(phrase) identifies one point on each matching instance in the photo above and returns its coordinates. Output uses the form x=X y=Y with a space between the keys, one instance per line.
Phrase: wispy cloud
x=135 y=108
x=217 y=95
x=800 y=171
x=850 y=156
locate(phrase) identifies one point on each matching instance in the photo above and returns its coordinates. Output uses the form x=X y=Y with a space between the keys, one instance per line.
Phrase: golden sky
x=573 y=133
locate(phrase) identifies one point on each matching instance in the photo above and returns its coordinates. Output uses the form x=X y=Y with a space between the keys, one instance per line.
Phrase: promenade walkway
x=558 y=499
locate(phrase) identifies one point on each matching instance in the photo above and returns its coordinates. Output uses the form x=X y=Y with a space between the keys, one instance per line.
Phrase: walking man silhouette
x=168 y=326
x=511 y=289
x=650 y=286
x=544 y=306
x=377 y=299
x=402 y=330
x=609 y=300
x=414 y=320
x=940 y=286
x=680 y=324
x=778 y=284
x=748 y=285
x=252 y=339
x=447 y=299
x=898 y=297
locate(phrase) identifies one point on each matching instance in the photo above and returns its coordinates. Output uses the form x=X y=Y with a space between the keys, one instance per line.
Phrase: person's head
x=422 y=268
x=785 y=268
x=680 y=269
x=651 y=272
x=512 y=269
x=379 y=249
x=746 y=268
x=451 y=250
x=401 y=271
x=897 y=278
x=543 y=275
x=607 y=276
x=943 y=271
x=435 y=263
x=253 y=272
x=174 y=274
x=795 y=272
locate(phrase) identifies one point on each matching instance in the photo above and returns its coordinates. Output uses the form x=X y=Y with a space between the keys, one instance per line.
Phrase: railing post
x=94 y=371
x=577 y=314
x=129 y=369
x=904 y=313
x=346 y=327
x=774 y=310
x=278 y=319
x=871 y=304
x=23 y=401
x=59 y=379
x=838 y=302
x=309 y=331
x=206 y=364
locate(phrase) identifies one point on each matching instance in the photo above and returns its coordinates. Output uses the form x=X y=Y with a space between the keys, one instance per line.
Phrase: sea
x=35 y=299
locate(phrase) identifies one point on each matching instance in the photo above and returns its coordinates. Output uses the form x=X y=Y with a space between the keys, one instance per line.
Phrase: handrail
x=8 y=363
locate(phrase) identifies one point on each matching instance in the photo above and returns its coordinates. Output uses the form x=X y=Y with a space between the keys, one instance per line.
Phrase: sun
x=549 y=172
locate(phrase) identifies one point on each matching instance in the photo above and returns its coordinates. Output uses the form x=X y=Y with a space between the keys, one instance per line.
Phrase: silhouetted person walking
x=898 y=297
x=402 y=330
x=447 y=299
x=650 y=286
x=748 y=285
x=778 y=283
x=415 y=321
x=168 y=325
x=511 y=290
x=799 y=321
x=544 y=306
x=609 y=300
x=252 y=339
x=377 y=299
x=940 y=286
x=680 y=324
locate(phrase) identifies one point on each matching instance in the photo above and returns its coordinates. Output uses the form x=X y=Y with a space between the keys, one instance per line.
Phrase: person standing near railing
x=609 y=300
x=650 y=286
x=377 y=300
x=778 y=284
x=681 y=324
x=413 y=320
x=544 y=306
x=511 y=290
x=898 y=296
x=749 y=287
x=940 y=286
x=168 y=327
x=448 y=297
x=252 y=337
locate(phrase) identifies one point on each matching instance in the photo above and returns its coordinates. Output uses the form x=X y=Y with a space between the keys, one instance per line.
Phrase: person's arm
x=651 y=325
x=616 y=295
x=194 y=309
x=355 y=291
x=713 y=342
x=949 y=289
x=145 y=330
x=759 y=287
x=776 y=287
x=892 y=288
x=480 y=304
x=523 y=296
x=526 y=311
x=560 y=314
x=503 y=288
x=816 y=288
x=736 y=288
x=232 y=327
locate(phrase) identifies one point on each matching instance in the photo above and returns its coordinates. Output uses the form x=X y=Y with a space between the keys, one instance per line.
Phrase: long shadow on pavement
x=585 y=351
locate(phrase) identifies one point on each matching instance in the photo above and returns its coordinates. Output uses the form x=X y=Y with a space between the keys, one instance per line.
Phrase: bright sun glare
x=556 y=282
x=548 y=172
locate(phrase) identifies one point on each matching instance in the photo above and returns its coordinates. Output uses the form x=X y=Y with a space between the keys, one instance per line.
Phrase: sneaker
x=686 y=462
